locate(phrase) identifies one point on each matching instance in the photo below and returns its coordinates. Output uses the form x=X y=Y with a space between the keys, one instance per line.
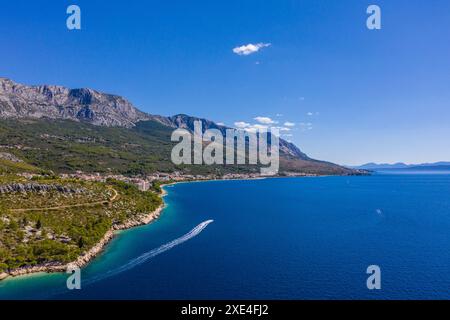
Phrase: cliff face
x=35 y=187
x=56 y=102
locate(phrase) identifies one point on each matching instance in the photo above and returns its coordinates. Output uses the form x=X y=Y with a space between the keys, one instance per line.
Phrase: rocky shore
x=36 y=187
x=89 y=255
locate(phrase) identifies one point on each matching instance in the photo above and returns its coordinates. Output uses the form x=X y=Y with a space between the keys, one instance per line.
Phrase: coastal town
x=145 y=183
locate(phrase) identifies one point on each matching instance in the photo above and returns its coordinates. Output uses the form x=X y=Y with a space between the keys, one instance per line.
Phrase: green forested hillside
x=67 y=146
x=52 y=226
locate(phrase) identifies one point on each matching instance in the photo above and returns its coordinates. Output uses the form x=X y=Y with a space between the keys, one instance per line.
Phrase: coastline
x=93 y=252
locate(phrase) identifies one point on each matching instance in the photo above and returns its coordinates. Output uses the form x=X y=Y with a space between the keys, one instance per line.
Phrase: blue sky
x=354 y=95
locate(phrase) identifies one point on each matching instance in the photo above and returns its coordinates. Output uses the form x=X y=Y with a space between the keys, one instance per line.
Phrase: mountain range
x=403 y=166
x=57 y=113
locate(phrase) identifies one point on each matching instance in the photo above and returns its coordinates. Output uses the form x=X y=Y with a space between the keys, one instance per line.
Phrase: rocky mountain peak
x=57 y=102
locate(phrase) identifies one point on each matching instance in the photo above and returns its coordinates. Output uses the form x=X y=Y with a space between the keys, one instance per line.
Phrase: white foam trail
x=150 y=254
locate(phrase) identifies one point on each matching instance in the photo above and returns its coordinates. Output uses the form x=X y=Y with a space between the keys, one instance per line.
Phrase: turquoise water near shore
x=286 y=238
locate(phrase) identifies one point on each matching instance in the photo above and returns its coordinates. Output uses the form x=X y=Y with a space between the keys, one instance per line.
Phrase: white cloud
x=305 y=126
x=250 y=48
x=289 y=124
x=251 y=127
x=265 y=124
x=256 y=128
x=259 y=126
x=241 y=124
x=281 y=128
x=310 y=114
x=264 y=120
x=220 y=124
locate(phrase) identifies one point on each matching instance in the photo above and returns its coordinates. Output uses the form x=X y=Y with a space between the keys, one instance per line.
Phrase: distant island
x=435 y=166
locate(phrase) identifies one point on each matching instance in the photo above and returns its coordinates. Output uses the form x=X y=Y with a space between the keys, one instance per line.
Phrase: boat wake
x=150 y=254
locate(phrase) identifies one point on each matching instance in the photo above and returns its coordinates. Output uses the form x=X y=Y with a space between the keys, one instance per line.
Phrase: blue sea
x=284 y=238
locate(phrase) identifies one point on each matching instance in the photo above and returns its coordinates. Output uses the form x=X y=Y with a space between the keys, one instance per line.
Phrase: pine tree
x=80 y=242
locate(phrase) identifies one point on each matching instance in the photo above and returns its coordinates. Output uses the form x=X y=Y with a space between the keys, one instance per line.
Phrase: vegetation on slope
x=68 y=146
x=8 y=166
x=32 y=234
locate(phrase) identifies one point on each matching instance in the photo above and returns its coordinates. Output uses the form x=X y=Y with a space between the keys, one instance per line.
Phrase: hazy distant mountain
x=375 y=166
x=402 y=166
x=49 y=102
